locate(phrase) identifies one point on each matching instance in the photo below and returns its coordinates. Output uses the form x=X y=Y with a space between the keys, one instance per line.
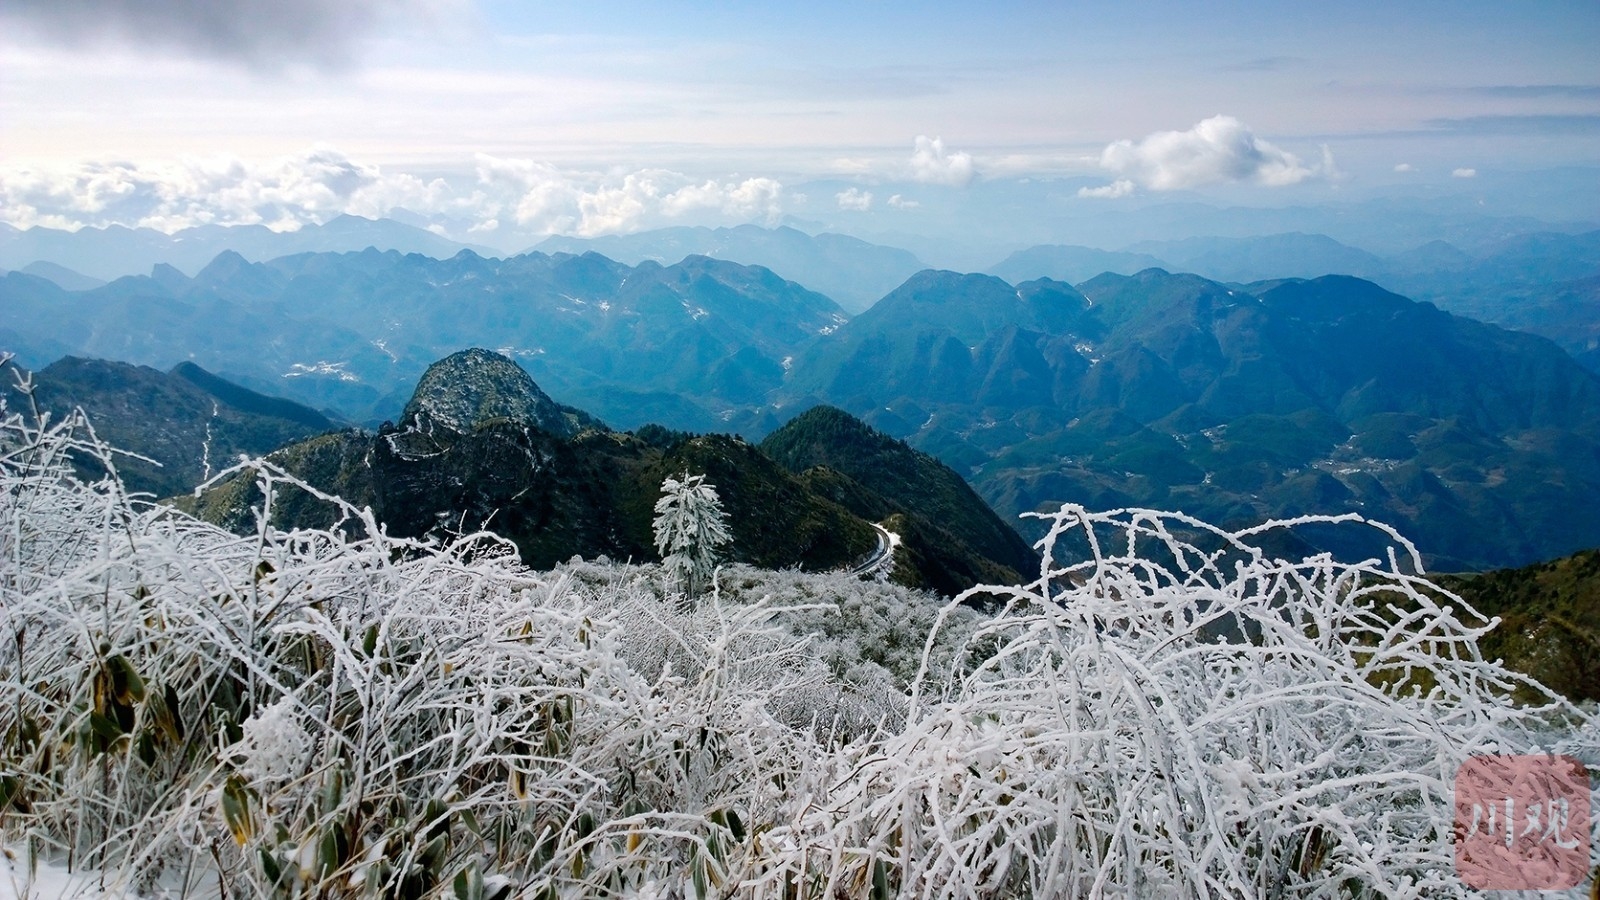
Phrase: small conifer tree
x=690 y=526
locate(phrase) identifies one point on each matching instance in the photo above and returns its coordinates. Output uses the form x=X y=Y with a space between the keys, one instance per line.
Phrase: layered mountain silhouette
x=186 y=423
x=483 y=447
x=105 y=254
x=1541 y=282
x=1233 y=404
x=698 y=343
x=851 y=271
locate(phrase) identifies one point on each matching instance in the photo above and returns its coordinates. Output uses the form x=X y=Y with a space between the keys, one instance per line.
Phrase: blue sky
x=299 y=109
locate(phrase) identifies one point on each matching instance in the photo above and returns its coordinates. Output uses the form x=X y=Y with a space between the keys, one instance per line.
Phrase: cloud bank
x=260 y=33
x=856 y=199
x=1218 y=150
x=931 y=163
x=501 y=196
x=1122 y=187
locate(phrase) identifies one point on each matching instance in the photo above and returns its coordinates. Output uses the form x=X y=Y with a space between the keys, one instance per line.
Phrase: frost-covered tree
x=690 y=526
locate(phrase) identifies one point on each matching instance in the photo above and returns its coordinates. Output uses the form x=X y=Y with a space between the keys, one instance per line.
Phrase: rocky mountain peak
x=468 y=389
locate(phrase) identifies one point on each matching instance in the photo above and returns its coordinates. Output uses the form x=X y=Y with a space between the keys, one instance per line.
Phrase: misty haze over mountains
x=1239 y=393
x=1524 y=274
x=1033 y=404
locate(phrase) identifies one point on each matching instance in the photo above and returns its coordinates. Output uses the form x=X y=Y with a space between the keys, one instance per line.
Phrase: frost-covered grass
x=340 y=713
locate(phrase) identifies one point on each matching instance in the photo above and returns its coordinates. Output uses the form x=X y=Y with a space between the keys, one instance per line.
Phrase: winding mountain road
x=882 y=558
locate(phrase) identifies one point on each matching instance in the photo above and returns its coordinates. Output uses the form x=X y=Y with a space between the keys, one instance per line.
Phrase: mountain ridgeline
x=482 y=447
x=1232 y=403
x=1541 y=282
x=696 y=344
x=1236 y=403
x=185 y=424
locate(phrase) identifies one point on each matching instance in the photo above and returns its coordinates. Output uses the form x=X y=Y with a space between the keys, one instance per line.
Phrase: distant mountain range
x=700 y=343
x=1541 y=282
x=851 y=271
x=1232 y=401
x=482 y=446
x=1505 y=271
x=105 y=254
x=1233 y=404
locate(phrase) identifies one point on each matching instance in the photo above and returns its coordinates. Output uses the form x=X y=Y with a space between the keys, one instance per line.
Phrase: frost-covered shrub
x=1151 y=719
x=1166 y=711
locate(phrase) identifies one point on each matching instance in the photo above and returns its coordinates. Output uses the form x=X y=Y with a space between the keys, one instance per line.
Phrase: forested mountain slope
x=697 y=343
x=1237 y=405
x=186 y=423
x=482 y=447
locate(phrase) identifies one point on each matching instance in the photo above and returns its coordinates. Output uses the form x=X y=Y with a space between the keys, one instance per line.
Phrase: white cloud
x=1405 y=167
x=1464 y=173
x=856 y=199
x=284 y=193
x=515 y=195
x=933 y=164
x=899 y=202
x=1122 y=187
x=1218 y=150
x=752 y=198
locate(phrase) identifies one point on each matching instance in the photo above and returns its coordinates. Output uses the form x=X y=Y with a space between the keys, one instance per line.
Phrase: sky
x=526 y=118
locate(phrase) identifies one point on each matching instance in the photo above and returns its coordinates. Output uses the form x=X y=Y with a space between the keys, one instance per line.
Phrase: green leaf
x=697 y=874
x=269 y=866
x=105 y=727
x=332 y=789
x=329 y=859
x=880 y=880
x=164 y=705
x=236 y=810
x=9 y=784
x=125 y=681
x=468 y=884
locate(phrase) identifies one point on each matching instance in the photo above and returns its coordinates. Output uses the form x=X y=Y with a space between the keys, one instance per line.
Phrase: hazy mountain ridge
x=188 y=421
x=1531 y=281
x=1173 y=391
x=355 y=331
x=1236 y=402
x=109 y=253
x=851 y=271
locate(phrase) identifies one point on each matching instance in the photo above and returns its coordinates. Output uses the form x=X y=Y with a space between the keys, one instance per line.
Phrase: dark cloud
x=259 y=33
